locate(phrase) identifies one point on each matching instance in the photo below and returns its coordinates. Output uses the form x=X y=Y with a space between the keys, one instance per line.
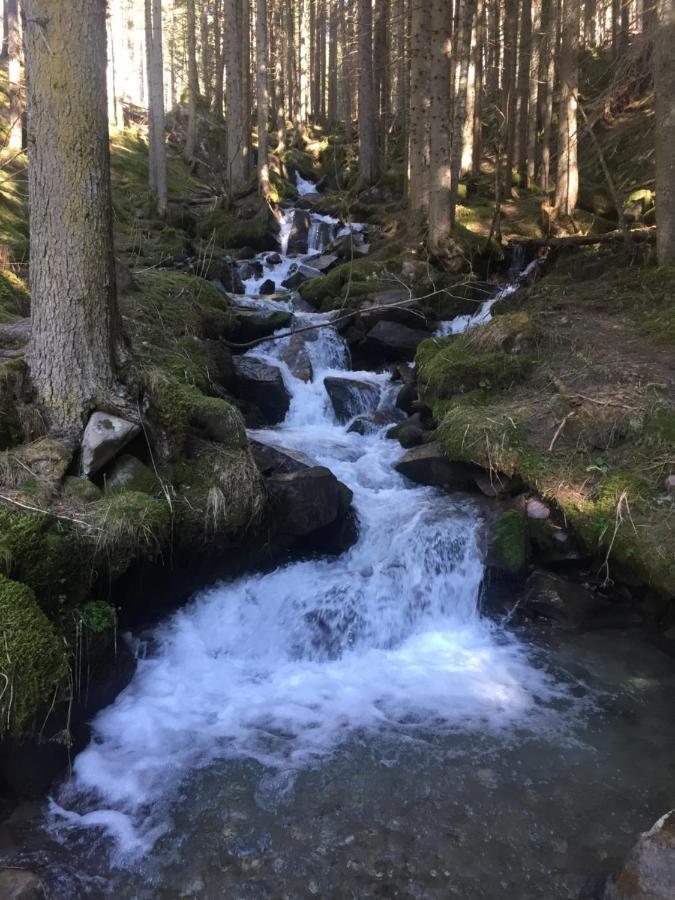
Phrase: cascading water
x=306 y=731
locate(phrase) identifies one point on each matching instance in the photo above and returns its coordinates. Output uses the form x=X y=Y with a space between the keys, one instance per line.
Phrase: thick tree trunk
x=332 y=109
x=664 y=83
x=155 y=70
x=263 y=97
x=381 y=74
x=246 y=114
x=205 y=52
x=304 y=71
x=193 y=80
x=533 y=102
x=347 y=26
x=546 y=80
x=478 y=51
x=509 y=92
x=524 y=60
x=368 y=161
x=418 y=169
x=236 y=144
x=15 y=135
x=465 y=22
x=74 y=314
x=590 y=12
x=469 y=118
x=440 y=218
x=567 y=178
x=493 y=54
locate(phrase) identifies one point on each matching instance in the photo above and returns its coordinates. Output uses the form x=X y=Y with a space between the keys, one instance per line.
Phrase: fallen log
x=15 y=332
x=582 y=240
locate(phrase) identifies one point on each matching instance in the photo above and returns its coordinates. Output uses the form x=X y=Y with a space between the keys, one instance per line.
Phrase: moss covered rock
x=228 y=230
x=509 y=544
x=350 y=281
x=33 y=664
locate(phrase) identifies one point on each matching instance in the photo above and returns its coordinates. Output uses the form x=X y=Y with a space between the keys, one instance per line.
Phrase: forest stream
x=355 y=726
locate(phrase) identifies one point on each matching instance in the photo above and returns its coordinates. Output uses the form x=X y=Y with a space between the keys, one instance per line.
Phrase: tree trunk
x=332 y=110
x=465 y=22
x=15 y=135
x=468 y=126
x=567 y=178
x=418 y=173
x=493 y=55
x=664 y=83
x=533 y=102
x=440 y=218
x=205 y=53
x=546 y=80
x=304 y=72
x=381 y=74
x=478 y=50
x=75 y=323
x=193 y=81
x=236 y=160
x=524 y=60
x=509 y=92
x=245 y=20
x=347 y=26
x=263 y=97
x=155 y=74
x=590 y=11
x=368 y=162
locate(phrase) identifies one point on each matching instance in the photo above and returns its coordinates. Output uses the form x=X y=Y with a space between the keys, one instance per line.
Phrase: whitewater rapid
x=282 y=668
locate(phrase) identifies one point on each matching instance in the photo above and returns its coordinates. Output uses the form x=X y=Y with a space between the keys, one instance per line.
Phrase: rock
x=393 y=341
x=406 y=397
x=428 y=465
x=492 y=484
x=557 y=600
x=299 y=233
x=81 y=489
x=296 y=356
x=349 y=397
x=271 y=459
x=47 y=458
x=267 y=287
x=371 y=423
x=251 y=324
x=408 y=435
x=386 y=306
x=509 y=546
x=273 y=259
x=251 y=268
x=230 y=277
x=104 y=437
x=129 y=473
x=669 y=484
x=21 y=884
x=649 y=871
x=294 y=280
x=536 y=509
x=305 y=500
x=324 y=262
x=261 y=383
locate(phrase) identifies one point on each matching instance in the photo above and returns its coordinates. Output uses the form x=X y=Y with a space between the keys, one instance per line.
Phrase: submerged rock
x=104 y=437
x=261 y=383
x=350 y=397
x=428 y=465
x=557 y=600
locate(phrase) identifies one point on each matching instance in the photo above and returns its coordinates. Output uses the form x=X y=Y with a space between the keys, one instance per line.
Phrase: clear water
x=354 y=727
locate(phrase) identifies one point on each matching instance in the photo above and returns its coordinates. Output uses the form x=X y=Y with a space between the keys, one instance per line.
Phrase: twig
x=47 y=512
x=558 y=431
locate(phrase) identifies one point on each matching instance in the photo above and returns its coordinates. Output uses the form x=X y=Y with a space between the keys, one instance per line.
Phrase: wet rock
x=129 y=473
x=557 y=600
x=347 y=246
x=509 y=546
x=267 y=287
x=230 y=278
x=296 y=356
x=393 y=341
x=251 y=324
x=297 y=240
x=261 y=384
x=250 y=269
x=409 y=433
x=272 y=459
x=649 y=871
x=324 y=262
x=428 y=465
x=536 y=509
x=406 y=397
x=21 y=884
x=493 y=484
x=46 y=458
x=349 y=397
x=273 y=259
x=104 y=437
x=394 y=306
x=369 y=424
x=305 y=500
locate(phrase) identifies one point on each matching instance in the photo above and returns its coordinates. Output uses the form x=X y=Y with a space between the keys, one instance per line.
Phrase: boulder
x=649 y=871
x=428 y=465
x=350 y=397
x=296 y=356
x=368 y=424
x=557 y=600
x=409 y=433
x=393 y=341
x=297 y=239
x=273 y=259
x=21 y=884
x=230 y=277
x=261 y=384
x=81 y=489
x=406 y=397
x=267 y=287
x=251 y=268
x=509 y=546
x=103 y=438
x=47 y=458
x=394 y=306
x=251 y=324
x=129 y=473
x=324 y=262
x=492 y=484
x=272 y=459
x=305 y=500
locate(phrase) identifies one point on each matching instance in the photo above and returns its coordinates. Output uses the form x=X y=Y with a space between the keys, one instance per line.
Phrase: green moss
x=281 y=188
x=99 y=616
x=227 y=230
x=81 y=489
x=448 y=366
x=299 y=161
x=14 y=297
x=33 y=662
x=132 y=525
x=510 y=543
x=344 y=283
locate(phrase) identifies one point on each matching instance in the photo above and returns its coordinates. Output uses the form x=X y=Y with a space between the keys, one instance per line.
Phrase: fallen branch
x=48 y=512
x=15 y=332
x=558 y=431
x=582 y=240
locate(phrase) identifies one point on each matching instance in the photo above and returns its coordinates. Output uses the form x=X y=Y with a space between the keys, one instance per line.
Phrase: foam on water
x=284 y=667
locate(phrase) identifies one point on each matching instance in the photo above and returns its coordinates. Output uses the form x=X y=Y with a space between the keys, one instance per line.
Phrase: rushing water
x=353 y=726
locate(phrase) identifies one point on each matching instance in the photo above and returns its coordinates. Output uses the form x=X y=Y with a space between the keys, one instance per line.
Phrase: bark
x=546 y=80
x=281 y=77
x=332 y=108
x=263 y=97
x=322 y=62
x=590 y=12
x=205 y=53
x=303 y=71
x=368 y=160
x=440 y=217
x=381 y=74
x=193 y=80
x=218 y=58
x=347 y=21
x=155 y=70
x=293 y=98
x=15 y=135
x=467 y=9
x=509 y=93
x=533 y=100
x=524 y=59
x=75 y=324
x=236 y=160
x=664 y=83
x=478 y=87
x=245 y=20
x=493 y=55
x=418 y=172
x=567 y=178
x=469 y=118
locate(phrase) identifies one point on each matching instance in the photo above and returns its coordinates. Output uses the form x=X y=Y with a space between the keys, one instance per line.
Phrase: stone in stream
x=393 y=341
x=406 y=397
x=372 y=422
x=267 y=287
x=230 y=277
x=103 y=438
x=297 y=239
x=271 y=459
x=649 y=870
x=251 y=324
x=395 y=305
x=261 y=384
x=300 y=274
x=323 y=263
x=252 y=268
x=273 y=259
x=409 y=433
x=428 y=465
x=293 y=351
x=349 y=397
x=557 y=600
